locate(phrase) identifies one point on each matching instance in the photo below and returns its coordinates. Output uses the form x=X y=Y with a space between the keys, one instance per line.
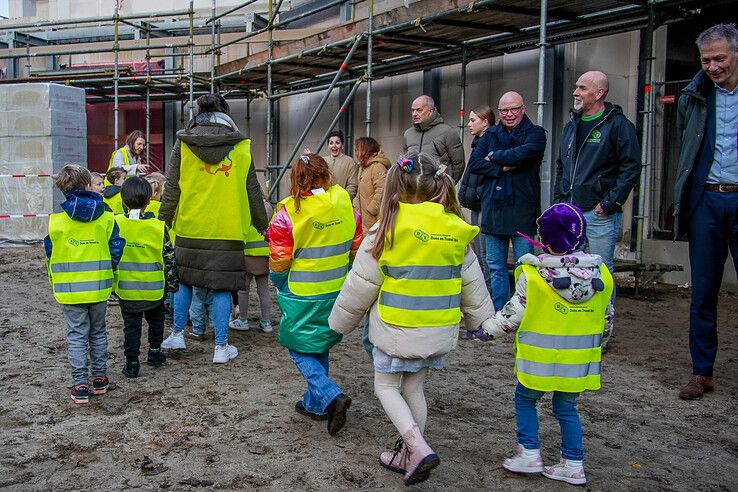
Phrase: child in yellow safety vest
x=559 y=310
x=256 y=256
x=82 y=250
x=147 y=271
x=111 y=194
x=415 y=273
x=312 y=241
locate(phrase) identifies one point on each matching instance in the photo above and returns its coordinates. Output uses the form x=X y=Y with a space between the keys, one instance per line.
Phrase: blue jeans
x=217 y=301
x=368 y=346
x=497 y=247
x=321 y=390
x=712 y=232
x=86 y=331
x=201 y=297
x=480 y=247
x=602 y=234
x=565 y=411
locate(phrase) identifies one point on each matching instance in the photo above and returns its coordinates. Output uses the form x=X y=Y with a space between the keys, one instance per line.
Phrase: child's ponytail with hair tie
x=441 y=171
x=405 y=164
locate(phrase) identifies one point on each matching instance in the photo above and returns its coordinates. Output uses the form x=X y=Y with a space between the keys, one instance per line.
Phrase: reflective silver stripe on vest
x=416 y=272
x=323 y=251
x=257 y=244
x=132 y=266
x=130 y=285
x=81 y=266
x=88 y=286
x=560 y=341
x=419 y=303
x=558 y=370
x=320 y=276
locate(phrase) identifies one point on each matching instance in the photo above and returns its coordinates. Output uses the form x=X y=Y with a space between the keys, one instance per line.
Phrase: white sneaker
x=224 y=353
x=568 y=471
x=265 y=325
x=239 y=324
x=174 y=341
x=524 y=461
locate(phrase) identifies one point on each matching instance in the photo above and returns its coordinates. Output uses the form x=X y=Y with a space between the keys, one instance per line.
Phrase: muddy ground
x=192 y=425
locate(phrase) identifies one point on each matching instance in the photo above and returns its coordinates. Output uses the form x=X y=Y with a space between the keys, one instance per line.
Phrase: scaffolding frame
x=390 y=42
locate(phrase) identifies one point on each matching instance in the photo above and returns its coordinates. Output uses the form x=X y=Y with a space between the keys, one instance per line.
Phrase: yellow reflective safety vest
x=115 y=203
x=80 y=268
x=153 y=207
x=557 y=346
x=126 y=160
x=255 y=244
x=421 y=272
x=323 y=231
x=213 y=203
x=141 y=268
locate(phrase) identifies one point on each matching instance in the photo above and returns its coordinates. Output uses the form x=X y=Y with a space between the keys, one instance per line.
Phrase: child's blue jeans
x=565 y=411
x=321 y=390
x=86 y=333
x=218 y=302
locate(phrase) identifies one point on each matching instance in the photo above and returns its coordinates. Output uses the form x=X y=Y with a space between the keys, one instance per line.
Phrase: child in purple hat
x=561 y=303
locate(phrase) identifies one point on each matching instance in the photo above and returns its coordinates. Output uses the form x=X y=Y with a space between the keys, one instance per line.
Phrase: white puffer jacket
x=361 y=291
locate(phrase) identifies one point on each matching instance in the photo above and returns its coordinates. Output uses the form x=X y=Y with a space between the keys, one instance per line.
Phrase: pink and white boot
x=395 y=460
x=420 y=457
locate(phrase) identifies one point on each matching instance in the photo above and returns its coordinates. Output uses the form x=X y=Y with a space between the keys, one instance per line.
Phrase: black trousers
x=132 y=326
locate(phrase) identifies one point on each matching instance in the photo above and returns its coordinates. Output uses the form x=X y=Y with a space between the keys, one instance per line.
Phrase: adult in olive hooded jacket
x=431 y=135
x=210 y=263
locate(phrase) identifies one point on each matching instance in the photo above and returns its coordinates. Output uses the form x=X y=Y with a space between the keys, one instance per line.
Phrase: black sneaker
x=113 y=300
x=80 y=393
x=300 y=408
x=131 y=369
x=100 y=385
x=155 y=358
x=337 y=413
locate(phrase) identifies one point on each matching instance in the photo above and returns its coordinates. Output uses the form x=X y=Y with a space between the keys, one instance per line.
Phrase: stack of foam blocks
x=42 y=128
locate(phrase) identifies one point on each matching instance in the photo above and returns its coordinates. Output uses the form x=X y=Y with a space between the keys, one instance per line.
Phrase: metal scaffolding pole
x=270 y=91
x=462 y=110
x=340 y=111
x=369 y=62
x=540 y=103
x=212 y=52
x=229 y=11
x=311 y=122
x=192 y=57
x=148 y=98
x=89 y=20
x=90 y=51
x=116 y=108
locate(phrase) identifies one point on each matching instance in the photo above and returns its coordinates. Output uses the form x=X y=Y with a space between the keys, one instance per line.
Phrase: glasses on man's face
x=512 y=111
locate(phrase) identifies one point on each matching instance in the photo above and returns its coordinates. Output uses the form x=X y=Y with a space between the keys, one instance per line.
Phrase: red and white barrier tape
x=22 y=216
x=26 y=175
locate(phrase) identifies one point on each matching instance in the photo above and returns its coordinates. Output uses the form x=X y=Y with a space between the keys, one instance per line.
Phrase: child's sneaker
x=224 y=353
x=155 y=358
x=80 y=393
x=193 y=335
x=524 y=461
x=265 y=326
x=569 y=471
x=239 y=324
x=113 y=300
x=131 y=369
x=174 y=341
x=100 y=385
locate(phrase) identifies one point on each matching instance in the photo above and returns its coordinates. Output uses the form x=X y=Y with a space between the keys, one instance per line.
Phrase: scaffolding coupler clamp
x=323 y=49
x=418 y=23
x=470 y=7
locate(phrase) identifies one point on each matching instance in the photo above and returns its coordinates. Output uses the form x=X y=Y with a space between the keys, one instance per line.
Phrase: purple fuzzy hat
x=562 y=229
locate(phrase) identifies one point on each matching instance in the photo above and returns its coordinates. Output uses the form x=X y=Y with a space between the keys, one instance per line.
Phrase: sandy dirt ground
x=191 y=425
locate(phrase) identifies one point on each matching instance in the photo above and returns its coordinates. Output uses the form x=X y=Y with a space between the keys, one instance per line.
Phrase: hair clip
x=441 y=170
x=406 y=164
x=304 y=158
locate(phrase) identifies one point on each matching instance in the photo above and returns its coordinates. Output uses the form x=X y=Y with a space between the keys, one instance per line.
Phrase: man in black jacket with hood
x=599 y=163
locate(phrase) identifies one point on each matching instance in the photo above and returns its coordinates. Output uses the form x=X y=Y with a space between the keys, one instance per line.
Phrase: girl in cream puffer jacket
x=419 y=194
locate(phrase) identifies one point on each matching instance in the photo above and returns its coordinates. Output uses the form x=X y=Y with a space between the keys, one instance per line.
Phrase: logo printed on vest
x=561 y=308
x=423 y=236
x=223 y=167
x=595 y=137
x=73 y=242
x=322 y=225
